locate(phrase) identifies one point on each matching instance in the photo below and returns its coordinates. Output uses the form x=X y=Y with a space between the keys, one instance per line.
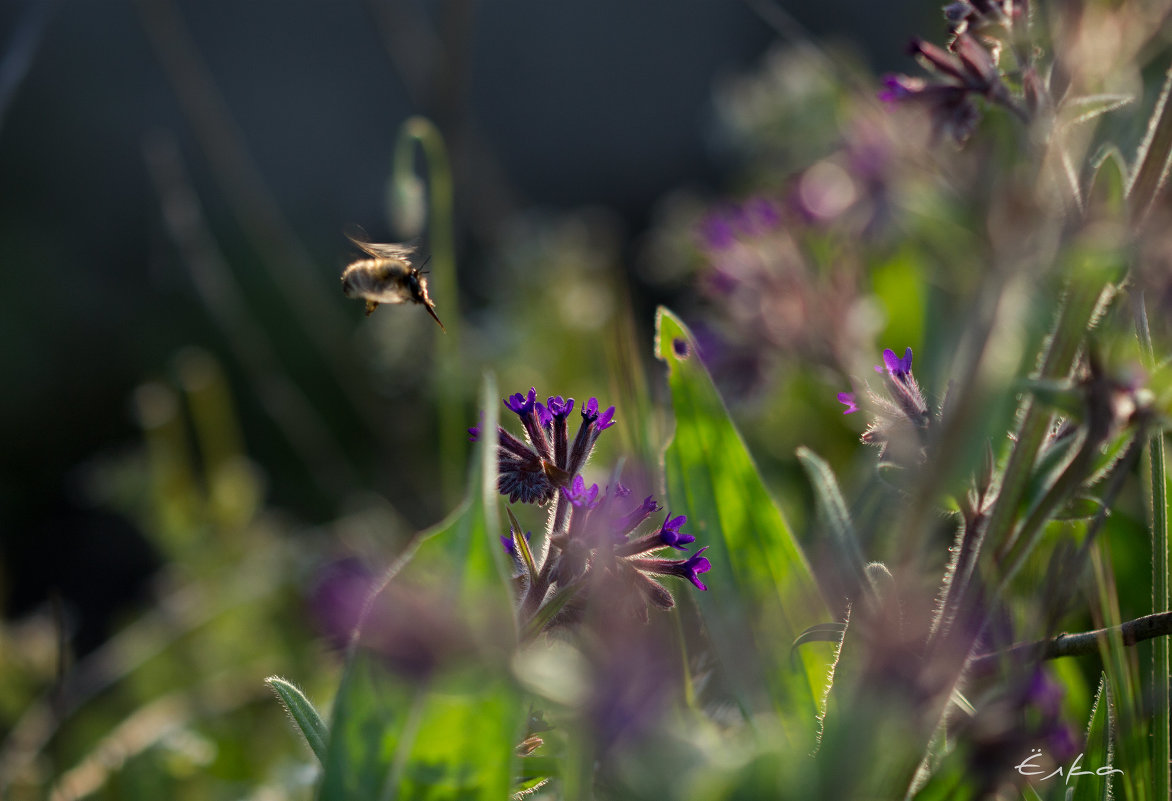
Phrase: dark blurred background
x=267 y=126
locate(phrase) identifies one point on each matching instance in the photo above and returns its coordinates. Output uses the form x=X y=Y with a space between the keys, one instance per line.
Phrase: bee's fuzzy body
x=388 y=277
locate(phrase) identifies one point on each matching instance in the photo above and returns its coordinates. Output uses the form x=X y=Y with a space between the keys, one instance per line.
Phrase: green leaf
x=1062 y=396
x=832 y=508
x=427 y=707
x=822 y=632
x=761 y=594
x=1153 y=159
x=1085 y=109
x=303 y=714
x=1107 y=196
x=1079 y=508
x=522 y=546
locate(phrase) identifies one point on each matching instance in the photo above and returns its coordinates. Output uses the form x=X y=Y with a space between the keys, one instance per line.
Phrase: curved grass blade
x=823 y=632
x=832 y=508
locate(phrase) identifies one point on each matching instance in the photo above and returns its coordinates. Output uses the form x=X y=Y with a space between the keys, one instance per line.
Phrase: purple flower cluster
x=592 y=531
x=531 y=470
x=600 y=534
x=966 y=70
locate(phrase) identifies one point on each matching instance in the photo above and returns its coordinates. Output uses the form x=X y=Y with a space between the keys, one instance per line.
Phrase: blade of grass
x=1132 y=755
x=1161 y=731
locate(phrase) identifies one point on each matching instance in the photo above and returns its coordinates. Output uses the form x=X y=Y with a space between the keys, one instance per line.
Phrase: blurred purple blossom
x=337 y=598
x=580 y=496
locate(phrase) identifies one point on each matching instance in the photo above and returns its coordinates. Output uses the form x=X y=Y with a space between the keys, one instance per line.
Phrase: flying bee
x=390 y=276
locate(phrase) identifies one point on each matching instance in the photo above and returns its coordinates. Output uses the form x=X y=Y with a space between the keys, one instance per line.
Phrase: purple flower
x=521 y=404
x=474 y=434
x=900 y=88
x=620 y=491
x=625 y=524
x=1061 y=741
x=968 y=69
x=544 y=415
x=560 y=408
x=901 y=421
x=899 y=368
x=337 y=598
x=670 y=533
x=716 y=231
x=764 y=212
x=693 y=566
x=689 y=568
x=535 y=418
x=590 y=415
x=581 y=497
x=1044 y=693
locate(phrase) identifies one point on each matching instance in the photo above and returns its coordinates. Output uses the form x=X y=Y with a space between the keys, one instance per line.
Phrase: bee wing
x=387 y=250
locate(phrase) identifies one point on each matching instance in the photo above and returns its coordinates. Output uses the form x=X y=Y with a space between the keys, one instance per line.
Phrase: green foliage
x=1004 y=495
x=763 y=594
x=449 y=732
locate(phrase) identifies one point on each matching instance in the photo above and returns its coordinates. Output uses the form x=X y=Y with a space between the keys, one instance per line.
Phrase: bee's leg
x=371 y=305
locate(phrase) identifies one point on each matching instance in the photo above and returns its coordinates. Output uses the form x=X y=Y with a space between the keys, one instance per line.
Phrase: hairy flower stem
x=971 y=534
x=539 y=588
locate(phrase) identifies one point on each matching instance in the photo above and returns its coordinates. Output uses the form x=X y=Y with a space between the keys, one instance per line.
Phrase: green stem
x=445 y=286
